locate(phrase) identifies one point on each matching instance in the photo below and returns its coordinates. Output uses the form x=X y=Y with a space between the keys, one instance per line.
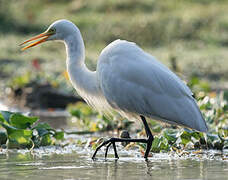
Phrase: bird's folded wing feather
x=135 y=82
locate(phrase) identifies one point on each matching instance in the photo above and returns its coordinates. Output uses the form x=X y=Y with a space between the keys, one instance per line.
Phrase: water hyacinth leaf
x=76 y=112
x=164 y=145
x=19 y=138
x=185 y=137
x=93 y=126
x=105 y=119
x=159 y=143
x=193 y=81
x=8 y=127
x=59 y=135
x=170 y=135
x=86 y=110
x=43 y=129
x=157 y=128
x=43 y=125
x=6 y=115
x=21 y=135
x=2 y=120
x=212 y=137
x=189 y=135
x=197 y=135
x=205 y=86
x=3 y=138
x=22 y=122
x=46 y=140
x=213 y=141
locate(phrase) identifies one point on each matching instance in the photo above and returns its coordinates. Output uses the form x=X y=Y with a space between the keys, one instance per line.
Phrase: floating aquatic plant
x=24 y=131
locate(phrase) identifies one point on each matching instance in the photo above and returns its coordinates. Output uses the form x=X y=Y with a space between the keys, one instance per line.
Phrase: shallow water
x=74 y=163
x=69 y=165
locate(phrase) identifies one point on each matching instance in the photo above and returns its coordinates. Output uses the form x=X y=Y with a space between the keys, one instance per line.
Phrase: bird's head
x=58 y=30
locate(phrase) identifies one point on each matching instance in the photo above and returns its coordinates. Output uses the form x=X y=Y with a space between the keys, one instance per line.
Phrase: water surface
x=44 y=164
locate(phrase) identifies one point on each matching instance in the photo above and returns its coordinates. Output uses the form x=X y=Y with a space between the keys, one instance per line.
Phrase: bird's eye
x=52 y=30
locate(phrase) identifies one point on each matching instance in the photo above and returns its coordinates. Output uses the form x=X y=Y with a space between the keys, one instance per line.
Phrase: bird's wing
x=135 y=82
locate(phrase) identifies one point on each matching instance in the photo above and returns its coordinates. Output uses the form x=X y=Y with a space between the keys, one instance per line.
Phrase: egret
x=127 y=80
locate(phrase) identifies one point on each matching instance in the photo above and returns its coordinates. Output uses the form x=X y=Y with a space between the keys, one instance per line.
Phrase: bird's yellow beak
x=43 y=37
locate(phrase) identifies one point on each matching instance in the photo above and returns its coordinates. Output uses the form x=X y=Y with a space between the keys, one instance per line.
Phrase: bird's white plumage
x=128 y=80
x=135 y=82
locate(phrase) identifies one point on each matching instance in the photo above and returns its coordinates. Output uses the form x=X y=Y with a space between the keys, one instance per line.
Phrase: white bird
x=127 y=80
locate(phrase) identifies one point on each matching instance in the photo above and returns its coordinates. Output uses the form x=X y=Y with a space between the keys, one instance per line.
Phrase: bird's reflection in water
x=149 y=166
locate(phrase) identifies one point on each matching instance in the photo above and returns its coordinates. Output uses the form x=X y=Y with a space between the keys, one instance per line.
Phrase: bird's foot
x=112 y=141
x=109 y=142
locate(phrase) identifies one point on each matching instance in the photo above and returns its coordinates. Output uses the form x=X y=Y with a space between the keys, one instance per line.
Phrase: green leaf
x=164 y=145
x=213 y=141
x=43 y=129
x=212 y=137
x=43 y=125
x=185 y=137
x=22 y=122
x=2 y=120
x=18 y=138
x=3 y=138
x=159 y=144
x=42 y=132
x=46 y=140
x=157 y=128
x=76 y=112
x=59 y=135
x=194 y=81
x=21 y=135
x=155 y=145
x=105 y=119
x=21 y=81
x=197 y=135
x=170 y=135
x=6 y=115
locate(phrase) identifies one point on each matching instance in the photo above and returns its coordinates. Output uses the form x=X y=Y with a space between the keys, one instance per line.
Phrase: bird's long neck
x=83 y=80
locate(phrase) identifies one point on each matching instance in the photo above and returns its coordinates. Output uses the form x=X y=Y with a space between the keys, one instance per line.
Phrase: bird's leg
x=114 y=140
x=114 y=148
x=149 y=135
x=106 y=151
x=115 y=151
